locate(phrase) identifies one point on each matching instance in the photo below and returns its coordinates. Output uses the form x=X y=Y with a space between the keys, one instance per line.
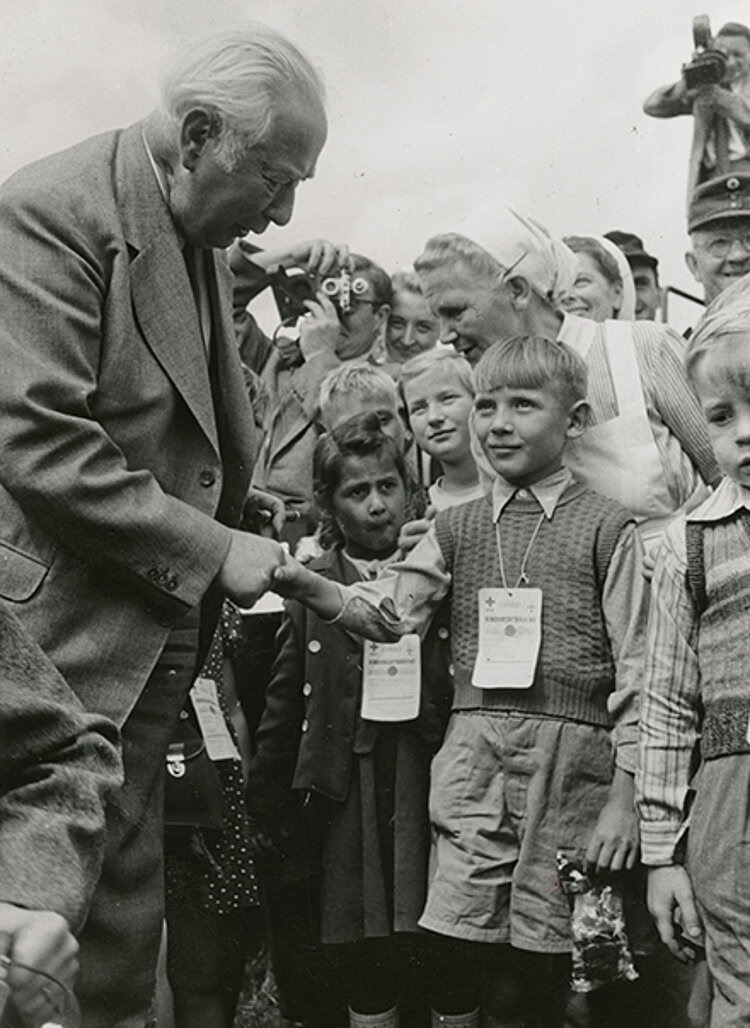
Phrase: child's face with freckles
x=721 y=379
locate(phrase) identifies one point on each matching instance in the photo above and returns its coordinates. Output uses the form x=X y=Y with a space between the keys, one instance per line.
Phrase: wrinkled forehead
x=455 y=274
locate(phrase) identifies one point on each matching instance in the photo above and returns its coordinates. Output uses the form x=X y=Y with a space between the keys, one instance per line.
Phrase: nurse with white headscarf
x=499 y=274
x=603 y=287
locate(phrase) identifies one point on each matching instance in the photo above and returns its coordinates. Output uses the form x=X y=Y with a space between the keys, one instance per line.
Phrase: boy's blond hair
x=351 y=381
x=431 y=359
x=533 y=362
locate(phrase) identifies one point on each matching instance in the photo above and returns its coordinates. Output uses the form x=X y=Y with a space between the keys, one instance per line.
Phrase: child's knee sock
x=470 y=1020
x=386 y=1019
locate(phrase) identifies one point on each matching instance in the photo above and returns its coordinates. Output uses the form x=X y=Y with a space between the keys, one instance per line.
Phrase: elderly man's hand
x=40 y=940
x=249 y=566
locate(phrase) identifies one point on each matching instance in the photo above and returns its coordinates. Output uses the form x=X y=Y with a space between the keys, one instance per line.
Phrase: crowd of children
x=453 y=706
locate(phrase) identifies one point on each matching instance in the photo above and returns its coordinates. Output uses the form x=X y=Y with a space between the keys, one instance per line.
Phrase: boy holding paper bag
x=547 y=618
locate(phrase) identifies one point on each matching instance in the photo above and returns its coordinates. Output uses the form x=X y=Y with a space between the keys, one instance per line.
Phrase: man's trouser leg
x=120 y=940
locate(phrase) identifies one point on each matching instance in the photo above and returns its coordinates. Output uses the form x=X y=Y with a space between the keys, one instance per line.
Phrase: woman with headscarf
x=603 y=288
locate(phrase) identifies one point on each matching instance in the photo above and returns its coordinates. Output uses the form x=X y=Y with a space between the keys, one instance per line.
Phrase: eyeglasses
x=719 y=246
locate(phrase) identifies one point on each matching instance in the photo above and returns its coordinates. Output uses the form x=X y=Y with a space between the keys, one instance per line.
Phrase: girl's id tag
x=391 y=680
x=510 y=633
x=216 y=735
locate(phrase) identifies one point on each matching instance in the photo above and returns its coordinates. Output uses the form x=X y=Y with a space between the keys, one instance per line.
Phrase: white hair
x=242 y=78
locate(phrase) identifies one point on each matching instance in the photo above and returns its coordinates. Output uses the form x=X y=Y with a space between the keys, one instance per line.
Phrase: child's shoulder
x=460 y=513
x=594 y=506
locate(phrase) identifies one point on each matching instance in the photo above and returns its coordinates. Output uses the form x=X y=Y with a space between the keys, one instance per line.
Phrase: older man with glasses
x=127 y=432
x=719 y=228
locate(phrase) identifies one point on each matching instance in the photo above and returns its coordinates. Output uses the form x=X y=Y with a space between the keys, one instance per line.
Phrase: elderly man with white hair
x=127 y=432
x=501 y=274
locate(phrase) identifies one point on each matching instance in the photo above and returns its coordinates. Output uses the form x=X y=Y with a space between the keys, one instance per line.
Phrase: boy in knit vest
x=696 y=699
x=546 y=625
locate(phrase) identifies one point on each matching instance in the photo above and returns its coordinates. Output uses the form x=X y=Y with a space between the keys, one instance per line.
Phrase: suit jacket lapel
x=163 y=301
x=236 y=423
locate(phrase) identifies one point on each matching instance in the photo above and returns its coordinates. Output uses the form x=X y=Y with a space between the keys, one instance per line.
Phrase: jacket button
x=314 y=646
x=305 y=725
x=152 y=573
x=171 y=584
x=306 y=689
x=442 y=632
x=207 y=478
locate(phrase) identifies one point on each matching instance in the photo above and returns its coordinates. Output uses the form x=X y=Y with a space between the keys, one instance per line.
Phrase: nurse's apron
x=619 y=458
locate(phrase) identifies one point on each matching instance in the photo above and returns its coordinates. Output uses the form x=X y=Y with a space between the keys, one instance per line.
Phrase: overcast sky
x=433 y=104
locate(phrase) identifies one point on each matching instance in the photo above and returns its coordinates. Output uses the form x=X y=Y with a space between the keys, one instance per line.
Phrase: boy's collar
x=547 y=491
x=728 y=497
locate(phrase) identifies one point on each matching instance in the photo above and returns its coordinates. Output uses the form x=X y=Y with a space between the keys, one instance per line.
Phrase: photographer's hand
x=314 y=256
x=320 y=327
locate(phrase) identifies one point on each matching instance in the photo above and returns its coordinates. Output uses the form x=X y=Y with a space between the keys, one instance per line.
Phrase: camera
x=707 y=66
x=291 y=291
x=342 y=287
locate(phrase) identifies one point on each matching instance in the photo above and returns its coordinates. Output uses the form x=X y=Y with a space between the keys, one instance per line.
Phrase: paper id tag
x=219 y=743
x=510 y=632
x=391 y=680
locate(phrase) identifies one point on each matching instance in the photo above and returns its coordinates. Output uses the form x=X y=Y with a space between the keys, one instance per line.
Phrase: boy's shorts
x=508 y=792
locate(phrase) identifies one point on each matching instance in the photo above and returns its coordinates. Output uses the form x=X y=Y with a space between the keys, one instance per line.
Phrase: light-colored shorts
x=508 y=792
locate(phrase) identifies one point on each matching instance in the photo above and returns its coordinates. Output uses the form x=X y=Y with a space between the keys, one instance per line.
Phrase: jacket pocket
x=21 y=575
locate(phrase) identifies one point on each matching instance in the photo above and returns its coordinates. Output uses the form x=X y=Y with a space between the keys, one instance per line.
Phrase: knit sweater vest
x=568 y=561
x=724 y=637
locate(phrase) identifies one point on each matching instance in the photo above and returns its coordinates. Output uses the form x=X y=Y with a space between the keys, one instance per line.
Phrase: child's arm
x=403 y=600
x=669 y=715
x=296 y=581
x=625 y=609
x=614 y=844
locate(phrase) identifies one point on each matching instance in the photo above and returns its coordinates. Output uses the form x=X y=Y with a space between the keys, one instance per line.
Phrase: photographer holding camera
x=715 y=88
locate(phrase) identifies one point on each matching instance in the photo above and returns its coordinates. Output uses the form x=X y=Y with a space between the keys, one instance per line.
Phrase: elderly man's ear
x=199 y=125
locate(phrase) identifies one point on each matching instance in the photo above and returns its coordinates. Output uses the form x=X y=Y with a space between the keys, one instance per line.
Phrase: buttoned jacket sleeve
x=57 y=767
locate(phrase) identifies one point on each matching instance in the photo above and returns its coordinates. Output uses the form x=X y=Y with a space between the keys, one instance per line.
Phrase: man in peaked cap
x=645 y=271
x=719 y=228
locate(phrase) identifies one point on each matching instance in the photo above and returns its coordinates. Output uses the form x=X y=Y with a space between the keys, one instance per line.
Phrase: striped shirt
x=670 y=703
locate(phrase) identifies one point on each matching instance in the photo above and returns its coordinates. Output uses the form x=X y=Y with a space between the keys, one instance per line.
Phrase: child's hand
x=615 y=843
x=40 y=940
x=413 y=531
x=672 y=904
x=288 y=578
